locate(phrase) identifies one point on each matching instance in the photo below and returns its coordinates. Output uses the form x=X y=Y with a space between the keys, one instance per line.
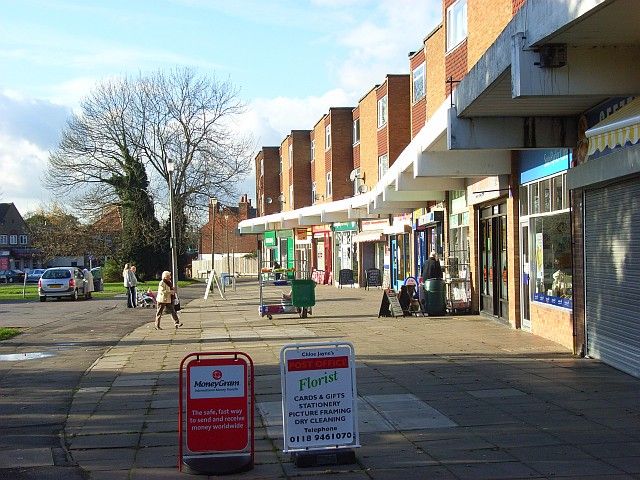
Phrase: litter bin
x=225 y=278
x=435 y=303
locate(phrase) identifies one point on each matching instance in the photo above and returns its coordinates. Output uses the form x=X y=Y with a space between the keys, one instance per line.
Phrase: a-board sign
x=390 y=305
x=374 y=278
x=319 y=396
x=216 y=405
x=345 y=277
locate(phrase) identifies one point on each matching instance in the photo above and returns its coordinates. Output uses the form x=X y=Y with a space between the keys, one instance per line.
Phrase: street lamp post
x=226 y=227
x=174 y=250
x=214 y=207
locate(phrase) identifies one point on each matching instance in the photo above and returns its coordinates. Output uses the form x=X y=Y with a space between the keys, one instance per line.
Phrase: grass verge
x=8 y=332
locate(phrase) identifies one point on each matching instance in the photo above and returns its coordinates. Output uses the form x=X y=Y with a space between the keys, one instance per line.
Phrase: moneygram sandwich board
x=216 y=413
x=319 y=399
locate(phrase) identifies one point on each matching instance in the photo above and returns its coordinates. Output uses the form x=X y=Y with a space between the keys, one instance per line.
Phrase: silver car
x=61 y=282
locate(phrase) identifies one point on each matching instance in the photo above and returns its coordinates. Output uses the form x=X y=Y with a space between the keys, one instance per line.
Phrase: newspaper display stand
x=319 y=403
x=284 y=291
x=216 y=413
x=458 y=287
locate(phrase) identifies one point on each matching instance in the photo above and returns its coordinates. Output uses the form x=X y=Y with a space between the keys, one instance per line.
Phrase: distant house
x=15 y=242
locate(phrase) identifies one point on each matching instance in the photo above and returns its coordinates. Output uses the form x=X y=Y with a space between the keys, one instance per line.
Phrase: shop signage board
x=390 y=305
x=319 y=399
x=216 y=412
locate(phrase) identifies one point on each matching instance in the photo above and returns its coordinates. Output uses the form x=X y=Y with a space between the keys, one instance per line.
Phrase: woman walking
x=130 y=283
x=165 y=298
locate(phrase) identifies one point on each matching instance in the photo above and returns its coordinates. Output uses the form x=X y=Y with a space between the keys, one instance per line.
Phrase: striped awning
x=617 y=129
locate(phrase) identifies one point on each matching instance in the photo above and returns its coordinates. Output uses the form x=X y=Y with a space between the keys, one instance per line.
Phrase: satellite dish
x=355 y=173
x=269 y=200
x=281 y=197
x=363 y=188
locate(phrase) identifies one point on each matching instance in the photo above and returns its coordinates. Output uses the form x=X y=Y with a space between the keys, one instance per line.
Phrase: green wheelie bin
x=435 y=302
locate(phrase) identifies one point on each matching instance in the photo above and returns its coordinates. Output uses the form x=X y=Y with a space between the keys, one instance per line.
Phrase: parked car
x=34 y=275
x=62 y=282
x=12 y=276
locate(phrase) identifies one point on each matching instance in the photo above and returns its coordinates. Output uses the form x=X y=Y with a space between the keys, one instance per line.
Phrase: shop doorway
x=525 y=269
x=494 y=281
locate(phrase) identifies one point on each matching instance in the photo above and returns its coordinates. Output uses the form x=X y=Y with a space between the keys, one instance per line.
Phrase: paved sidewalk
x=440 y=398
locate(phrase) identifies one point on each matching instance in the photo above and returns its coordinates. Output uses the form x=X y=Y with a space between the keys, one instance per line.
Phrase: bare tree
x=178 y=116
x=116 y=150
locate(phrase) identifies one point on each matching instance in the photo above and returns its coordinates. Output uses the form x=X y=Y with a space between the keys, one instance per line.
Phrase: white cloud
x=22 y=163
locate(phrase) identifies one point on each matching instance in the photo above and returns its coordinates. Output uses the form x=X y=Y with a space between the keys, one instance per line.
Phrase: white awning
x=370 y=236
x=617 y=129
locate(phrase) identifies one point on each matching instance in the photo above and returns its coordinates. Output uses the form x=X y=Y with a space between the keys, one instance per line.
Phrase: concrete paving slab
x=26 y=457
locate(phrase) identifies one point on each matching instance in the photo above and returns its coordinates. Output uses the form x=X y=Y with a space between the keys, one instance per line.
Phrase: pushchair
x=146 y=299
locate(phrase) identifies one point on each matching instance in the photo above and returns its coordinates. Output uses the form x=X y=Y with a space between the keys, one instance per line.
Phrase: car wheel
x=75 y=295
x=10 y=280
x=43 y=299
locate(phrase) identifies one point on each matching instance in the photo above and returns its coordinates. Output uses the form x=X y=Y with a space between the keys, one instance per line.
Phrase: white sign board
x=319 y=396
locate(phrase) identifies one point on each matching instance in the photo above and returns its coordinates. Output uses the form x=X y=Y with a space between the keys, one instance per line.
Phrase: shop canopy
x=617 y=130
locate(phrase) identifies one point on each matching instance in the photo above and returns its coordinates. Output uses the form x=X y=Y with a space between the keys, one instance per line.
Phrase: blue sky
x=291 y=60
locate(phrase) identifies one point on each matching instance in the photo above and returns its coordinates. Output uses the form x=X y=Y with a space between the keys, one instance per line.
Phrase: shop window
x=552 y=265
x=524 y=200
x=545 y=193
x=558 y=196
x=534 y=198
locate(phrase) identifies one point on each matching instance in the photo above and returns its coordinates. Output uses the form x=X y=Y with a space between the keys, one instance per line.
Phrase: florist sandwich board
x=319 y=403
x=216 y=413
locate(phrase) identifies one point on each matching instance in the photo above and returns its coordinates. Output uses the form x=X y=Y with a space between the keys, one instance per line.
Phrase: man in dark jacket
x=432 y=268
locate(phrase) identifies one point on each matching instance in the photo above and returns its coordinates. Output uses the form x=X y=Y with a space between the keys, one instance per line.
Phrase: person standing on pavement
x=89 y=287
x=166 y=298
x=130 y=283
x=432 y=268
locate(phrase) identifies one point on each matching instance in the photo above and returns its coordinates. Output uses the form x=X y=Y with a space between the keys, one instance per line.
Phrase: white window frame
x=23 y=239
x=314 y=192
x=327 y=137
x=356 y=131
x=313 y=150
x=281 y=164
x=383 y=111
x=457 y=23
x=329 y=186
x=418 y=76
x=383 y=165
x=290 y=156
x=13 y=239
x=262 y=167
x=3 y=239
x=291 y=196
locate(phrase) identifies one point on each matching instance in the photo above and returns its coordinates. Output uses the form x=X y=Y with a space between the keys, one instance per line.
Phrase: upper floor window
x=327 y=137
x=383 y=113
x=329 y=189
x=290 y=156
x=291 y=196
x=281 y=164
x=383 y=165
x=418 y=82
x=23 y=239
x=356 y=131
x=3 y=239
x=313 y=150
x=314 y=193
x=13 y=239
x=456 y=24
x=262 y=167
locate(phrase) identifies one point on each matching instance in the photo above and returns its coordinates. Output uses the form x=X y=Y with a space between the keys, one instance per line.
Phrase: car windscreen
x=56 y=274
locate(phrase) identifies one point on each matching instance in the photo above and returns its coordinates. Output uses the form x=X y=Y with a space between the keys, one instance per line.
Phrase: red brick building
x=220 y=232
x=267 y=181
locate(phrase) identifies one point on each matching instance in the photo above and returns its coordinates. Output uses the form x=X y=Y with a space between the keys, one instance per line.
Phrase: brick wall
x=301 y=171
x=553 y=323
x=268 y=185
x=222 y=227
x=483 y=29
x=455 y=65
x=341 y=151
x=419 y=108
x=434 y=54
x=382 y=137
x=285 y=174
x=368 y=109
x=516 y=5
x=399 y=127
x=319 y=165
